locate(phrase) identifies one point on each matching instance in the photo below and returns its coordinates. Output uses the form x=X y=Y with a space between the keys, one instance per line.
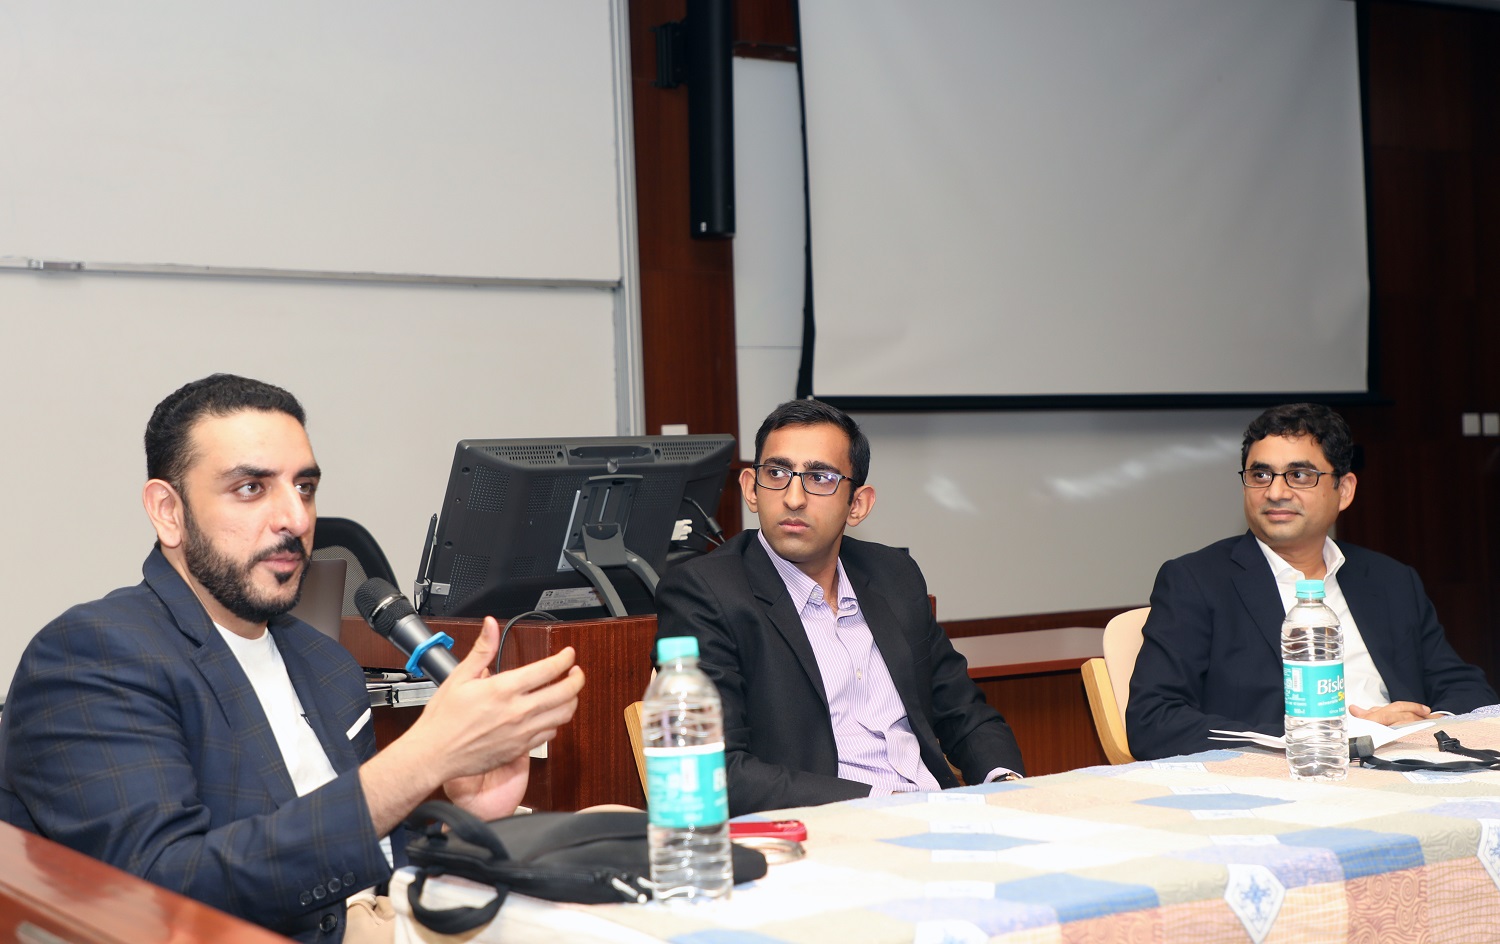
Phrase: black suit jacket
x=779 y=746
x=1211 y=653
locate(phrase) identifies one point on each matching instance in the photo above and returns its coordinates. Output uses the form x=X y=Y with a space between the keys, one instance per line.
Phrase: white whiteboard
x=455 y=138
x=451 y=137
x=391 y=377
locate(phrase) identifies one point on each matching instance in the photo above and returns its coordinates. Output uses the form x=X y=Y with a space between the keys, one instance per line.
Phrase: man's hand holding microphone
x=476 y=734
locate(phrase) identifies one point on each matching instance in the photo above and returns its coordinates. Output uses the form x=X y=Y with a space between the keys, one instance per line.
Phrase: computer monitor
x=515 y=507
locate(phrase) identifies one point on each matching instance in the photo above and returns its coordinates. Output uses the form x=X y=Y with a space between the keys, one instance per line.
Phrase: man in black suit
x=1211 y=651
x=836 y=680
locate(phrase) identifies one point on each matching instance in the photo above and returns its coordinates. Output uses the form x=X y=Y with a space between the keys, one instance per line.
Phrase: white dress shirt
x=1363 y=685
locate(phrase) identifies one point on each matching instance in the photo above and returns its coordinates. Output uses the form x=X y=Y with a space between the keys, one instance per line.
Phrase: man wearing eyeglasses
x=836 y=680
x=1211 y=650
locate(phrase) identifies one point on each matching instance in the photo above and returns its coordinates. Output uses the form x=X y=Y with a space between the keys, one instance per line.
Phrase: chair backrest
x=1106 y=681
x=1122 y=643
x=349 y=541
x=637 y=740
x=1108 y=721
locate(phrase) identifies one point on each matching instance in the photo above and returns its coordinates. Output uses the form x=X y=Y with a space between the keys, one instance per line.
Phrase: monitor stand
x=597 y=539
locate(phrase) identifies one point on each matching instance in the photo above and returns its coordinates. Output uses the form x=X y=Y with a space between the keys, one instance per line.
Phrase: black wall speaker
x=699 y=52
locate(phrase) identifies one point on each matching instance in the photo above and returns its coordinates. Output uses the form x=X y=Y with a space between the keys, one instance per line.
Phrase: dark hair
x=168 y=453
x=1326 y=427
x=813 y=413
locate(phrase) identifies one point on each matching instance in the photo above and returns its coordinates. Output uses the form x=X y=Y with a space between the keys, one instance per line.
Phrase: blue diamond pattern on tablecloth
x=1476 y=808
x=724 y=936
x=1212 y=801
x=1362 y=852
x=992 y=917
x=1076 y=898
x=960 y=842
x=1203 y=757
x=1293 y=866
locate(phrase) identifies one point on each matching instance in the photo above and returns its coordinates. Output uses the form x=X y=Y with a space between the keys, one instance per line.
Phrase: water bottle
x=682 y=723
x=1312 y=666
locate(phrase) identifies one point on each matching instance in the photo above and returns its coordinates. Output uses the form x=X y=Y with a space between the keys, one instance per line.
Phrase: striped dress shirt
x=870 y=727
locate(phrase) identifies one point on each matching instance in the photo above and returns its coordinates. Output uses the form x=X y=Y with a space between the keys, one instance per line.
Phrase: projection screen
x=1018 y=202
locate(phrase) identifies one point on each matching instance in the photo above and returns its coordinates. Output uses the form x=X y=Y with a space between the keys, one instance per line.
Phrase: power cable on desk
x=541 y=614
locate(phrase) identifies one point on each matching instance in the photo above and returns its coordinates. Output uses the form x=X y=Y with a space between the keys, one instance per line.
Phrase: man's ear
x=1347 y=483
x=165 y=509
x=747 y=487
x=861 y=506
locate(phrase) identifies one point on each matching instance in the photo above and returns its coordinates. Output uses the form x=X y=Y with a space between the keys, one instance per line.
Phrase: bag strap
x=1480 y=758
x=450 y=920
x=430 y=818
x=460 y=823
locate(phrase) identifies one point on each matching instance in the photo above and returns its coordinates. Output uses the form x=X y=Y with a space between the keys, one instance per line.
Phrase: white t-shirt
x=305 y=758
x=303 y=753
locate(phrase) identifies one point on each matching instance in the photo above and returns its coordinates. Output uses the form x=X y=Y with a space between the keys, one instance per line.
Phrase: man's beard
x=230 y=583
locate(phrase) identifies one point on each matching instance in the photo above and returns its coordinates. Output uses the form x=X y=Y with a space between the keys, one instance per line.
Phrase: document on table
x=1379 y=733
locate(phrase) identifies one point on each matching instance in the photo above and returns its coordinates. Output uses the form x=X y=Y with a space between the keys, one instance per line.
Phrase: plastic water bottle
x=1312 y=665
x=682 y=723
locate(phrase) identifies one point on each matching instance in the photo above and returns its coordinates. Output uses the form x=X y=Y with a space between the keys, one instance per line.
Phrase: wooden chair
x=1106 y=681
x=637 y=740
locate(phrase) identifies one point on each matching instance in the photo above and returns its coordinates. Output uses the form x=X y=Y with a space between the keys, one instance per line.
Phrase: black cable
x=687 y=542
x=709 y=539
x=718 y=532
x=542 y=614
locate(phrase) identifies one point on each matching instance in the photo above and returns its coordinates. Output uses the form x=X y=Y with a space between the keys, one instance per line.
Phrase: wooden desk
x=590 y=761
x=50 y=893
x=1032 y=679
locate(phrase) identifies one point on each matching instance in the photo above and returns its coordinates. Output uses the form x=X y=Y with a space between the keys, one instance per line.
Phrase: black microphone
x=391 y=615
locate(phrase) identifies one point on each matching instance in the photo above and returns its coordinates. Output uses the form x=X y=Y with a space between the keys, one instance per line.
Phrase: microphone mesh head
x=371 y=594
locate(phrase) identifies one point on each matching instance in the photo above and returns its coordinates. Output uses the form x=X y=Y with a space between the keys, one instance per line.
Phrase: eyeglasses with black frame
x=814 y=481
x=1294 y=478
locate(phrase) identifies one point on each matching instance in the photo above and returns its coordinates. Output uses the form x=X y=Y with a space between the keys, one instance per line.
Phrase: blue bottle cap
x=1313 y=589
x=676 y=647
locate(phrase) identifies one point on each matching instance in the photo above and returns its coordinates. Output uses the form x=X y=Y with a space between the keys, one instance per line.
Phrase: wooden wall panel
x=1422 y=76
x=1422 y=218
x=1428 y=494
x=687 y=285
x=1049 y=713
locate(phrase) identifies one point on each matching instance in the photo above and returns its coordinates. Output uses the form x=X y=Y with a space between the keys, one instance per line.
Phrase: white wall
x=485 y=146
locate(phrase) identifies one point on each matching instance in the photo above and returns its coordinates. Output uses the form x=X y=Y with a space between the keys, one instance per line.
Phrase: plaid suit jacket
x=131 y=734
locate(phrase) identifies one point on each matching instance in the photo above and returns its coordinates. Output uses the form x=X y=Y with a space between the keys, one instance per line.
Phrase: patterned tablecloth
x=1219 y=846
